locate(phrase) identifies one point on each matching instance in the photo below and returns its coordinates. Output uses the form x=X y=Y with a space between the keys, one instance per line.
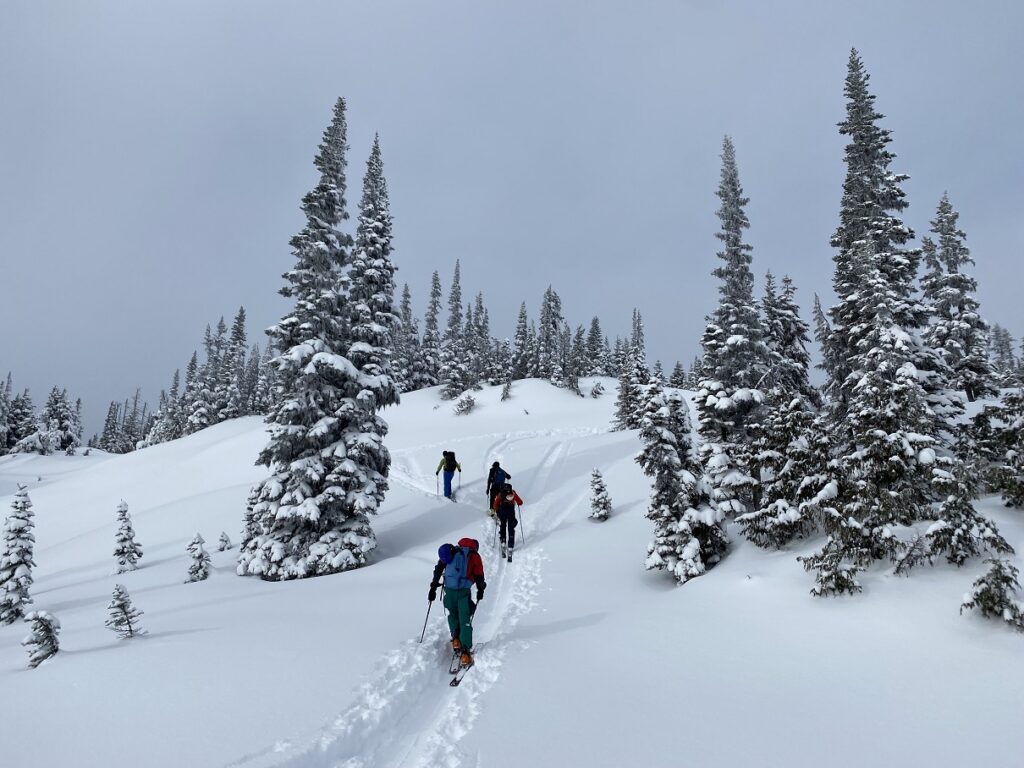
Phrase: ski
x=460 y=674
x=456 y=663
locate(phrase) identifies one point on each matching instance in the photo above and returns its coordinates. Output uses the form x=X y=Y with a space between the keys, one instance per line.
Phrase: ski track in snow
x=406 y=716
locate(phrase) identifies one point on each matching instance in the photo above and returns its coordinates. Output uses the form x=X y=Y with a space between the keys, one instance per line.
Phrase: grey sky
x=152 y=156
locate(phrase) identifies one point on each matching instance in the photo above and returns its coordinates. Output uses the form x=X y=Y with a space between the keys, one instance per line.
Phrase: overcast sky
x=153 y=156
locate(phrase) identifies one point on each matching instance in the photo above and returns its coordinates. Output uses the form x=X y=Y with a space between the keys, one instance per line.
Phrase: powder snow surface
x=584 y=658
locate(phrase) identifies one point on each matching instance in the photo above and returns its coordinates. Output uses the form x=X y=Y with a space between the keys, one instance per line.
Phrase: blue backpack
x=500 y=476
x=456 y=560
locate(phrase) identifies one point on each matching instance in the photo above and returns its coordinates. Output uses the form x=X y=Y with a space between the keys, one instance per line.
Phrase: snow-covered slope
x=583 y=657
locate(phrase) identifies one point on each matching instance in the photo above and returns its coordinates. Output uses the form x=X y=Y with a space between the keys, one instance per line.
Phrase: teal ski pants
x=460 y=615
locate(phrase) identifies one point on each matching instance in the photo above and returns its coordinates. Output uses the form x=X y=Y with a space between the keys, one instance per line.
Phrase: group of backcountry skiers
x=459 y=566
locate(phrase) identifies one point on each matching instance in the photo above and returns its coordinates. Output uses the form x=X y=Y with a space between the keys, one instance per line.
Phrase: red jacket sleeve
x=517 y=500
x=475 y=568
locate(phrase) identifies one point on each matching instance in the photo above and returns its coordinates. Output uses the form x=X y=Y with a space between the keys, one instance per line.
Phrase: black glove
x=479 y=594
x=432 y=594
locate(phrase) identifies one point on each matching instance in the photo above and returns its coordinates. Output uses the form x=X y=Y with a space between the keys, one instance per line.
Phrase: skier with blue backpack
x=460 y=566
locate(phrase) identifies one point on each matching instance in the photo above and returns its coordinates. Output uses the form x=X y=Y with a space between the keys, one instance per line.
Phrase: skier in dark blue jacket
x=496 y=479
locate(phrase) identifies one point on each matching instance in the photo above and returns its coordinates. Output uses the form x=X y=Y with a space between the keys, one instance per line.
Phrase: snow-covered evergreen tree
x=58 y=417
x=430 y=348
x=21 y=419
x=595 y=364
x=688 y=537
x=265 y=394
x=735 y=361
x=224 y=542
x=957 y=329
x=871 y=202
x=199 y=568
x=452 y=372
x=994 y=594
x=522 y=347
x=548 y=333
x=328 y=465
x=961 y=532
x=791 y=450
x=127 y=551
x=1001 y=356
x=250 y=525
x=786 y=336
x=406 y=345
x=110 y=438
x=43 y=640
x=1009 y=448
x=600 y=503
x=228 y=400
x=5 y=413
x=629 y=396
x=16 y=563
x=124 y=616
x=678 y=377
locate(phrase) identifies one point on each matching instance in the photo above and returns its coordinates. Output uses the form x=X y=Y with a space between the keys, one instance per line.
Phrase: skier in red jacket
x=505 y=504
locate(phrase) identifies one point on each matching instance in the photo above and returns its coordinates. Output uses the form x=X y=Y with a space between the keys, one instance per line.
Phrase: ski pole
x=522 y=524
x=437 y=486
x=494 y=538
x=430 y=603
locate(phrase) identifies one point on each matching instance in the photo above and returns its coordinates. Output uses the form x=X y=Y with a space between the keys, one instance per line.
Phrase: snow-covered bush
x=224 y=542
x=961 y=532
x=597 y=390
x=123 y=615
x=42 y=641
x=506 y=391
x=16 y=561
x=993 y=594
x=127 y=551
x=464 y=404
x=199 y=569
x=600 y=504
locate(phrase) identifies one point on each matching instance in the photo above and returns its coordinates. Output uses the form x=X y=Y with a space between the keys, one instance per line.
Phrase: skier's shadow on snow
x=148 y=636
x=431 y=526
x=535 y=631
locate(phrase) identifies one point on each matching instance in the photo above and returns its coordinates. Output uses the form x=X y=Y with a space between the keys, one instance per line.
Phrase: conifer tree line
x=465 y=355
x=57 y=426
x=232 y=380
x=882 y=449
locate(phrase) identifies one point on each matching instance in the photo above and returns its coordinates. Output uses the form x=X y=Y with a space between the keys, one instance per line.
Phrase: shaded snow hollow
x=584 y=658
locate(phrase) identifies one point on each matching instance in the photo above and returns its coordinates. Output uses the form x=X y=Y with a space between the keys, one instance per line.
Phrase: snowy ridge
x=327 y=671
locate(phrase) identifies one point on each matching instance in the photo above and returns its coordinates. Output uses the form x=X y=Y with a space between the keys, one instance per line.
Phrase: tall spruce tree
x=5 y=414
x=957 y=329
x=523 y=346
x=453 y=374
x=310 y=517
x=549 y=333
x=406 y=345
x=871 y=201
x=431 y=346
x=363 y=477
x=735 y=361
x=594 y=364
